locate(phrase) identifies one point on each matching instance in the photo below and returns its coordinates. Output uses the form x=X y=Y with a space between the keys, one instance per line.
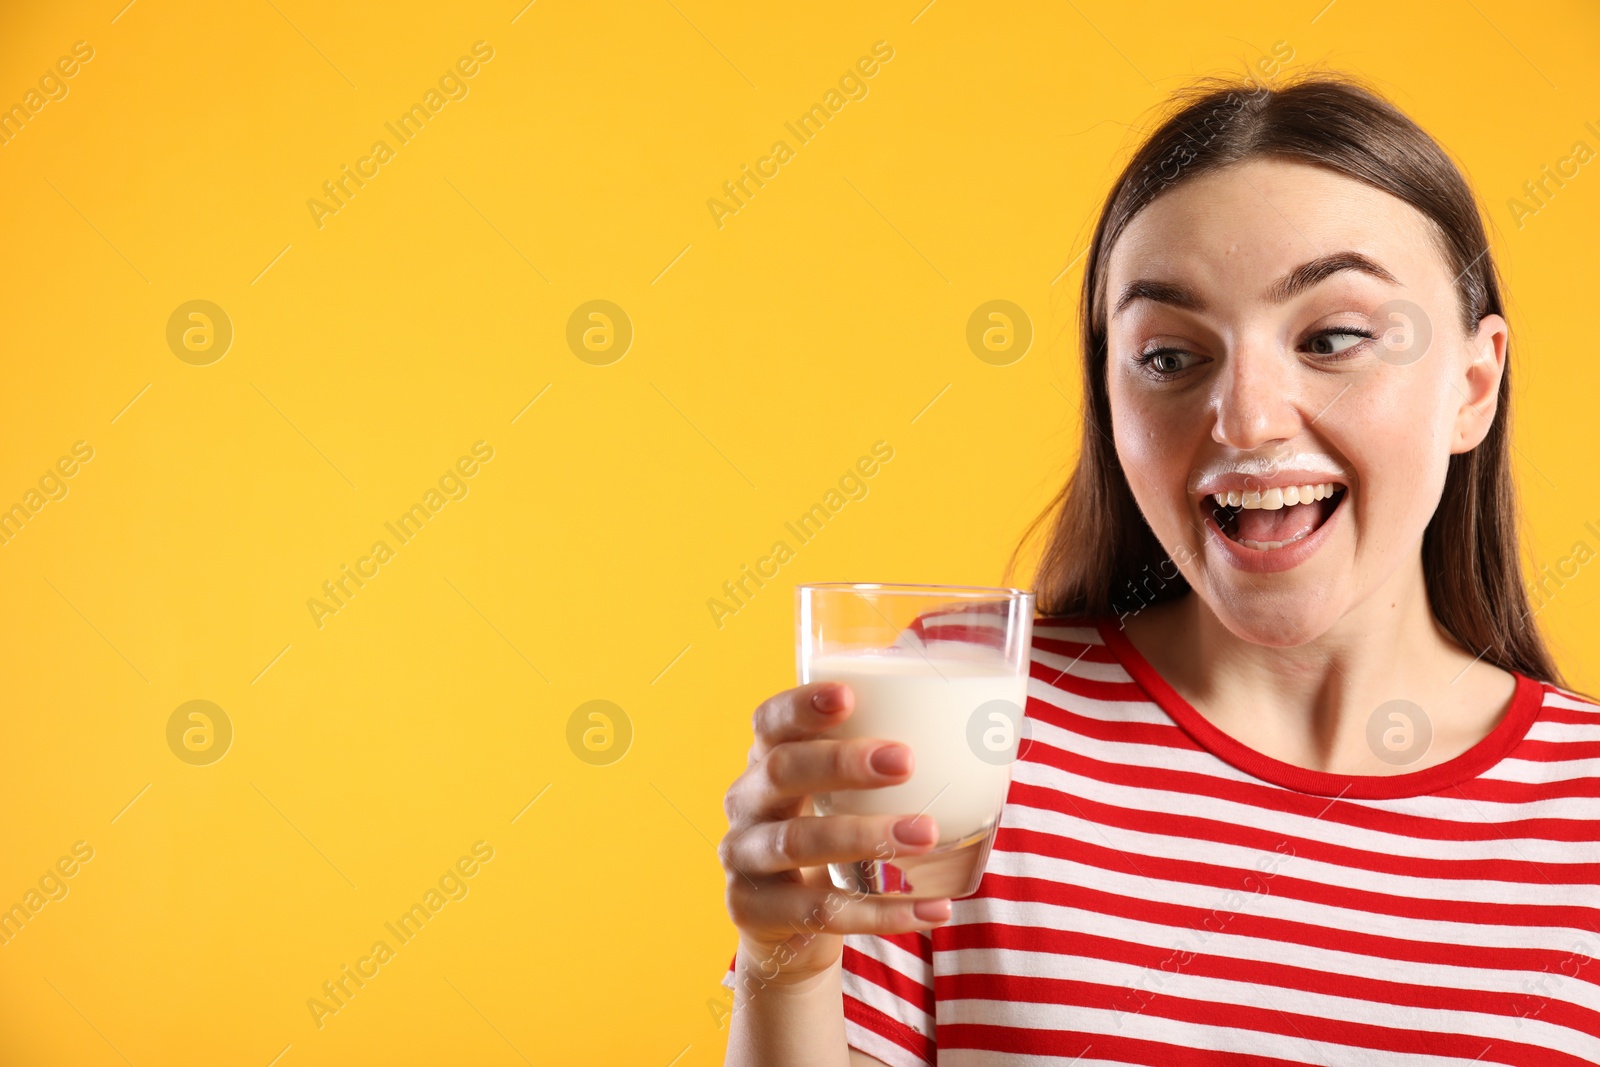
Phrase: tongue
x=1285 y=524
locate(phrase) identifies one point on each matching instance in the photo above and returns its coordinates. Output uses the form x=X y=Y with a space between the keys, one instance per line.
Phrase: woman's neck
x=1312 y=703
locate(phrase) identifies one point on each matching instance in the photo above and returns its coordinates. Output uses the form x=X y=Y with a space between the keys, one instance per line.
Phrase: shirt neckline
x=1526 y=701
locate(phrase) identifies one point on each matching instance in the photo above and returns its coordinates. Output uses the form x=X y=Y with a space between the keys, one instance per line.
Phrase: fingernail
x=918 y=830
x=829 y=699
x=931 y=911
x=892 y=760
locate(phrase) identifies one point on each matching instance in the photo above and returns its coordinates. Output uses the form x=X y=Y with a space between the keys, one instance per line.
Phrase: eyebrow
x=1281 y=291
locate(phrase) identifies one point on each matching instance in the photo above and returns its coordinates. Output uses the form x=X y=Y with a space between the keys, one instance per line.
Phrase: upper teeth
x=1273 y=499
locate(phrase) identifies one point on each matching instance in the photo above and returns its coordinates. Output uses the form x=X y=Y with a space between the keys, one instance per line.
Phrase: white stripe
x=1565 y=731
x=1535 y=771
x=1452 y=808
x=1102 y=710
x=1083 y=635
x=1560 y=698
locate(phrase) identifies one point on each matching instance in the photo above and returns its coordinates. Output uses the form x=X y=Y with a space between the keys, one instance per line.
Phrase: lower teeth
x=1261 y=545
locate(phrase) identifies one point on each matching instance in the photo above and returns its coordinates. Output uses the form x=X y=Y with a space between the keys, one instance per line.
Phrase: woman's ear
x=1478 y=383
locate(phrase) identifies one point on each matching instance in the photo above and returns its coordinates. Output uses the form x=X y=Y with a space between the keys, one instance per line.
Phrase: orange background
x=374 y=746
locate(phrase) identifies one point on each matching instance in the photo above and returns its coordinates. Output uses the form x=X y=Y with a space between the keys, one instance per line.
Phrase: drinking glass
x=942 y=669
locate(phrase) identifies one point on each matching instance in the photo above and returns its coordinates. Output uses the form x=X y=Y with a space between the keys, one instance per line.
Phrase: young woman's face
x=1275 y=325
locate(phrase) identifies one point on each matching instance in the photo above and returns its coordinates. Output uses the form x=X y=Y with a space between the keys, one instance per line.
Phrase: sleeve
x=889 y=999
x=887 y=982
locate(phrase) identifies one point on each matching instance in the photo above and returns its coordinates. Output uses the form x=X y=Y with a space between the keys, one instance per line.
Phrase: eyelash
x=1144 y=359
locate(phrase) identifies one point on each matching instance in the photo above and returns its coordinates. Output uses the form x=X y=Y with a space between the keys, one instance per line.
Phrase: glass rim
x=914 y=589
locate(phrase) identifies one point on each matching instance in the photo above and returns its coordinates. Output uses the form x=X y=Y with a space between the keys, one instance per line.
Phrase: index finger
x=799 y=713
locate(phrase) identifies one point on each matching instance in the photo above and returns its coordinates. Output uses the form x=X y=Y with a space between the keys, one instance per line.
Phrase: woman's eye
x=1164 y=362
x=1329 y=342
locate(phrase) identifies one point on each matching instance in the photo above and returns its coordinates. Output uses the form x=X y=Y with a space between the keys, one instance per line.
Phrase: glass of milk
x=942 y=669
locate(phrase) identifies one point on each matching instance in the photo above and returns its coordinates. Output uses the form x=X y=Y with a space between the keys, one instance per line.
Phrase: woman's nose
x=1255 y=402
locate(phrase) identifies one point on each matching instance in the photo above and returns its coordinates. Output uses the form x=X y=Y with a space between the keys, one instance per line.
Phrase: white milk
x=927 y=703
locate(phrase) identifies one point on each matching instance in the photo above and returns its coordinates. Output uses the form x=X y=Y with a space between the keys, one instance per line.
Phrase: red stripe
x=1587 y=716
x=1502 y=792
x=1556 y=751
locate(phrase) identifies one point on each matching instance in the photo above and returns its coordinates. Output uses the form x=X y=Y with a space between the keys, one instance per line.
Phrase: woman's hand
x=776 y=850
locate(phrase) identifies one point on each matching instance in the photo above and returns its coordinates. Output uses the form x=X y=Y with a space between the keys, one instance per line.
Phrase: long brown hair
x=1102 y=558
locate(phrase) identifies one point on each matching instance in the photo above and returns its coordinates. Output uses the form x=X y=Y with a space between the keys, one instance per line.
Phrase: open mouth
x=1269 y=519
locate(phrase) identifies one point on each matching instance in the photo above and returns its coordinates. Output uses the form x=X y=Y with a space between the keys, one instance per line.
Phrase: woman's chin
x=1274 y=619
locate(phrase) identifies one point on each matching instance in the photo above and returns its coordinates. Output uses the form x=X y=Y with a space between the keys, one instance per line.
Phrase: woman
x=1304 y=784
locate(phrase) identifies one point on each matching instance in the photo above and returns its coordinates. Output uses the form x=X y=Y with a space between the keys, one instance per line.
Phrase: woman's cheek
x=1139 y=449
x=1149 y=430
x=1399 y=442
x=1161 y=492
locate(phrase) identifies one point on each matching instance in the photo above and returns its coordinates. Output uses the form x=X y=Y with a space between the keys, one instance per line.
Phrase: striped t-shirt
x=1160 y=894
